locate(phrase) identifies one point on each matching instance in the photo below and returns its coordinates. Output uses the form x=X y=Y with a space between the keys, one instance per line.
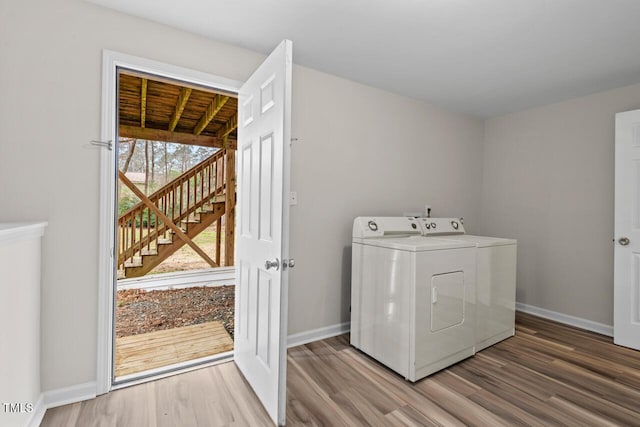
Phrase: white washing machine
x=412 y=298
x=495 y=278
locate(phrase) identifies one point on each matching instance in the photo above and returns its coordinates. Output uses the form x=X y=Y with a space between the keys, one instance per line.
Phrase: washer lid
x=481 y=241
x=416 y=243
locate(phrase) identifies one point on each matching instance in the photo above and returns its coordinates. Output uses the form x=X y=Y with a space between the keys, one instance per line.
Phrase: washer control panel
x=434 y=226
x=368 y=227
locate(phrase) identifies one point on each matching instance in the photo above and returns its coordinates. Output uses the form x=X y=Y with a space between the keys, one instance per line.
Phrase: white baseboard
x=59 y=397
x=38 y=412
x=182 y=279
x=578 y=322
x=72 y=394
x=318 y=334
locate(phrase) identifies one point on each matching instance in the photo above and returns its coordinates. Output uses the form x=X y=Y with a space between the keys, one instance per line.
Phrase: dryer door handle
x=434 y=295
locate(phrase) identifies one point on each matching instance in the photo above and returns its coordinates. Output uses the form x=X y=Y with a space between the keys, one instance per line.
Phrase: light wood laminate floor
x=548 y=374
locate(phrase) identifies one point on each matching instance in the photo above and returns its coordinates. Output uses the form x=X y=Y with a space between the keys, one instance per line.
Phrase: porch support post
x=218 y=239
x=230 y=208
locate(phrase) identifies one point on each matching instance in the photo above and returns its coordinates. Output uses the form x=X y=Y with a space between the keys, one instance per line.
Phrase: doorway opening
x=174 y=225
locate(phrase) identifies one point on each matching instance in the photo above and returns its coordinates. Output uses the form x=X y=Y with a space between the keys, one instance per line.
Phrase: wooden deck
x=152 y=350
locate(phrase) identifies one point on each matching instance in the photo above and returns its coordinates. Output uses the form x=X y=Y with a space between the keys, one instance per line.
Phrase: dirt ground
x=141 y=311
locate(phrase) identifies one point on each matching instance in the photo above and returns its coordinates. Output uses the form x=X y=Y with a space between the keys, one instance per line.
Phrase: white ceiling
x=485 y=58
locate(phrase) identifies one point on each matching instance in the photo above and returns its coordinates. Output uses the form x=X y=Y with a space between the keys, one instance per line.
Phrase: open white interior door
x=262 y=230
x=626 y=318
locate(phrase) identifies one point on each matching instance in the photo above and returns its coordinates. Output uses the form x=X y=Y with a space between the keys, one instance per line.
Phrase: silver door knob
x=624 y=241
x=288 y=263
x=272 y=264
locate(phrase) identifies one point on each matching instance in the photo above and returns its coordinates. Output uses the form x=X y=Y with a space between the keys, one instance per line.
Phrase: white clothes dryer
x=495 y=278
x=412 y=298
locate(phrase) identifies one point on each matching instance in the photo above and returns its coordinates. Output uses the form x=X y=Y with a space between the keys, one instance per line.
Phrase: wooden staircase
x=167 y=246
x=163 y=222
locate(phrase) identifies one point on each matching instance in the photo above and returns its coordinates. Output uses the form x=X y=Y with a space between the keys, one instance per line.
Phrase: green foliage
x=126 y=202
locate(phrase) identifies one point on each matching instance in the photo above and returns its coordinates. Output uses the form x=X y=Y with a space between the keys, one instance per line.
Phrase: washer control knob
x=433 y=225
x=426 y=224
x=455 y=225
x=373 y=226
x=413 y=225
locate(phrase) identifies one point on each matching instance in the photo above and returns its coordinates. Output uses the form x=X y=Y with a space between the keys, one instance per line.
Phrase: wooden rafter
x=169 y=81
x=229 y=126
x=213 y=109
x=126 y=131
x=185 y=92
x=143 y=103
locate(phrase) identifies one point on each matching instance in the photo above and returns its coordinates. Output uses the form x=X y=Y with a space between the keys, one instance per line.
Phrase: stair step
x=191 y=221
x=184 y=230
x=133 y=264
x=165 y=241
x=147 y=252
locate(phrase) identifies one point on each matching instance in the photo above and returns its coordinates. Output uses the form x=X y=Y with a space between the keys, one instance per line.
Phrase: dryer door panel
x=443 y=323
x=447 y=300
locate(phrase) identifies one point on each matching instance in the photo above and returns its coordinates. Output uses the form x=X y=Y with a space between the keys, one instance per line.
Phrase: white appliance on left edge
x=412 y=298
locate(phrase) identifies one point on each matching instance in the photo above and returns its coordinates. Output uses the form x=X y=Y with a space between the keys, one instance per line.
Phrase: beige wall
x=548 y=181
x=360 y=151
x=50 y=109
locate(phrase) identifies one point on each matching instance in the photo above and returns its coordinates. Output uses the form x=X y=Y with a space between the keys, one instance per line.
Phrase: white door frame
x=111 y=61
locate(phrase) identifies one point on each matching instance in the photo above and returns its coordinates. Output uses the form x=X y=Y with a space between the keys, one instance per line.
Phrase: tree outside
x=152 y=164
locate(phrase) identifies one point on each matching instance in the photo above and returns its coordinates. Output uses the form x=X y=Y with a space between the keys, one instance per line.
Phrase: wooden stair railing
x=167 y=247
x=162 y=213
x=165 y=220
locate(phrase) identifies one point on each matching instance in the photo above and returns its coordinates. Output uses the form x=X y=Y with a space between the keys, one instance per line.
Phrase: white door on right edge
x=262 y=229
x=626 y=323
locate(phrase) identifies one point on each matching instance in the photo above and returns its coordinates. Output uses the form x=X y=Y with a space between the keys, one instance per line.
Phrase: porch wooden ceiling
x=163 y=110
